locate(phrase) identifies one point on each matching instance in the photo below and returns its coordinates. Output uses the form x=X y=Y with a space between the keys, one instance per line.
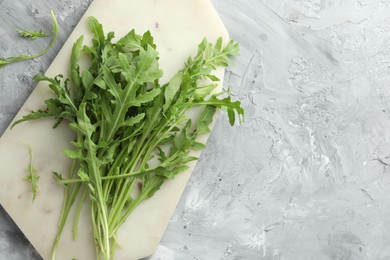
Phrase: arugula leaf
x=226 y=104
x=75 y=68
x=205 y=119
x=130 y=40
x=33 y=34
x=32 y=176
x=171 y=89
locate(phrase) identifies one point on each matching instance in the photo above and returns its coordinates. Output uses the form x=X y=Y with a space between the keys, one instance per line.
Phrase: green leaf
x=183 y=140
x=171 y=173
x=83 y=175
x=134 y=120
x=153 y=114
x=231 y=116
x=32 y=116
x=147 y=40
x=205 y=119
x=218 y=45
x=110 y=153
x=171 y=90
x=187 y=159
x=221 y=56
x=61 y=90
x=204 y=91
x=4 y=62
x=153 y=186
x=74 y=154
x=127 y=71
x=226 y=104
x=33 y=34
x=32 y=177
x=97 y=30
x=99 y=81
x=83 y=125
x=198 y=146
x=58 y=176
x=111 y=85
x=87 y=79
x=74 y=67
x=147 y=66
x=202 y=45
x=161 y=154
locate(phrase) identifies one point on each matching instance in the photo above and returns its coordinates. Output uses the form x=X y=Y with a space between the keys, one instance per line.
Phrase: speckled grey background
x=307 y=176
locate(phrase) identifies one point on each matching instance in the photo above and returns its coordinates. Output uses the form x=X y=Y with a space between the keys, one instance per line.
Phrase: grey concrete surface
x=307 y=175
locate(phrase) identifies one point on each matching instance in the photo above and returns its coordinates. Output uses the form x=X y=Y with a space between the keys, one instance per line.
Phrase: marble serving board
x=177 y=26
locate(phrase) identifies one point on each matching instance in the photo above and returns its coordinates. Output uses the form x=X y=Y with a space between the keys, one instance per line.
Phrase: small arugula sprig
x=132 y=133
x=32 y=177
x=33 y=35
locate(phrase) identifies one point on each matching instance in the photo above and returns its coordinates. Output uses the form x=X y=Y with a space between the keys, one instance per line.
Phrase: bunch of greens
x=123 y=118
x=33 y=35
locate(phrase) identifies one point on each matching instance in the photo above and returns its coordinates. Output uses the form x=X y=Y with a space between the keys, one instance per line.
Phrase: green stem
x=114 y=177
x=117 y=207
x=101 y=210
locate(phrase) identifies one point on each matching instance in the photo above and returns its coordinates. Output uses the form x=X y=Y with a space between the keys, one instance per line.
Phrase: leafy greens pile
x=123 y=118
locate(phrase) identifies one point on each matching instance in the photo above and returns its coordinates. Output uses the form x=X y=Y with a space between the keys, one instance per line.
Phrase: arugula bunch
x=132 y=132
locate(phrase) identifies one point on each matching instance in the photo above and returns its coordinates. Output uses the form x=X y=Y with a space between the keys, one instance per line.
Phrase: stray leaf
x=33 y=34
x=32 y=177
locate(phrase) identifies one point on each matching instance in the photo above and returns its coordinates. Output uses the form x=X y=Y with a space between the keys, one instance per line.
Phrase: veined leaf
x=130 y=40
x=205 y=119
x=171 y=173
x=171 y=90
x=134 y=120
x=75 y=68
x=97 y=30
x=204 y=91
x=87 y=79
x=146 y=97
x=32 y=176
x=147 y=66
x=33 y=34
x=74 y=154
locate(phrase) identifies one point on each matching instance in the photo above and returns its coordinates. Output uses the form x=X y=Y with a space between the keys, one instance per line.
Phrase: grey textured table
x=307 y=176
